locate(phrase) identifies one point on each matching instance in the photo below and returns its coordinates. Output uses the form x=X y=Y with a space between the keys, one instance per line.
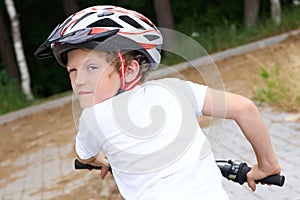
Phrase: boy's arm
x=88 y=149
x=241 y=109
x=98 y=160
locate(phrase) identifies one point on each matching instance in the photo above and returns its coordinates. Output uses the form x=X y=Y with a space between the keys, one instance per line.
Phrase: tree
x=16 y=34
x=276 y=11
x=164 y=17
x=70 y=6
x=164 y=14
x=6 y=52
x=251 y=10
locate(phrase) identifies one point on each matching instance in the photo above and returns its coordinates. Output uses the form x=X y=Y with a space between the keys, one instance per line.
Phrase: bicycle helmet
x=107 y=28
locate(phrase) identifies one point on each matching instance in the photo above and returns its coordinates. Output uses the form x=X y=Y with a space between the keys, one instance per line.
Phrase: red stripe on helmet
x=118 y=11
x=122 y=69
x=98 y=30
x=143 y=18
x=147 y=46
x=65 y=29
x=133 y=83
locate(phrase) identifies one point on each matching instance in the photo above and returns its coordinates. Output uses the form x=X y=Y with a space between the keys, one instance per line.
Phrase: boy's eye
x=92 y=67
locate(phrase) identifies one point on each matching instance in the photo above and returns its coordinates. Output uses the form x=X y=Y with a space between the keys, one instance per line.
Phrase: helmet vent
x=105 y=23
x=131 y=22
x=151 y=37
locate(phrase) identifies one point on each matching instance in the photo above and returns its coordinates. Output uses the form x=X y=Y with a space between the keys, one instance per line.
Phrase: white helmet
x=107 y=28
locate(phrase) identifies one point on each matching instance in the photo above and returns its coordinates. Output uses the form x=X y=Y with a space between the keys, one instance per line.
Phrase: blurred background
x=36 y=147
x=215 y=24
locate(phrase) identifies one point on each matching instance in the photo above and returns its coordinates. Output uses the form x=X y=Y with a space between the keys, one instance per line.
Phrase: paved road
x=286 y=140
x=31 y=180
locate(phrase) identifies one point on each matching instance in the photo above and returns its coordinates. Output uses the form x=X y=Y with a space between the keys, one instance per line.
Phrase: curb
x=34 y=109
x=161 y=72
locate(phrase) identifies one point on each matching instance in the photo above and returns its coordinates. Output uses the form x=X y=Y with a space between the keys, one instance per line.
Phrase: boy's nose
x=80 y=78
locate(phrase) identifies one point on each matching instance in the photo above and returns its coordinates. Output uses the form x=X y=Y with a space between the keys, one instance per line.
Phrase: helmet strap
x=122 y=70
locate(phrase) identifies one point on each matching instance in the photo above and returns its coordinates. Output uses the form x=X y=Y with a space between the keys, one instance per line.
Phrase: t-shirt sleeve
x=86 y=144
x=198 y=99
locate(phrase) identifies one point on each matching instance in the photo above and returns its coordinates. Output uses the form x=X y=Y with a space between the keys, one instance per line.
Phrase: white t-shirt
x=153 y=142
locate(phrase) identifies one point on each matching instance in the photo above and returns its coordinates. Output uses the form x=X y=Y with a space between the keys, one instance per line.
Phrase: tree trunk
x=6 y=52
x=25 y=78
x=164 y=14
x=251 y=9
x=70 y=6
x=164 y=18
x=276 y=11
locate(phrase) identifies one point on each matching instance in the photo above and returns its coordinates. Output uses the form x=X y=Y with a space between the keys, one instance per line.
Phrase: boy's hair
x=144 y=64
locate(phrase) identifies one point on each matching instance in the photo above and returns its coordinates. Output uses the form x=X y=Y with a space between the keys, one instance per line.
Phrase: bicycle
x=233 y=170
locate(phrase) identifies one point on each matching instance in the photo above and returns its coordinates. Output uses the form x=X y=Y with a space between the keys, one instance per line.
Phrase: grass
x=11 y=95
x=218 y=38
x=281 y=81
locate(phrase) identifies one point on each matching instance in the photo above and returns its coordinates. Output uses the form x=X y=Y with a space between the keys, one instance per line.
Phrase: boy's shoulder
x=174 y=83
x=175 y=86
x=165 y=81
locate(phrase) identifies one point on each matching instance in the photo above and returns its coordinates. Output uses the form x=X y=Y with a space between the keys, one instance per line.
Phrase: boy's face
x=93 y=79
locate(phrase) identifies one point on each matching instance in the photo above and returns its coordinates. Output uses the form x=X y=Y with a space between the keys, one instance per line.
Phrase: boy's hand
x=103 y=162
x=256 y=173
x=100 y=161
x=104 y=171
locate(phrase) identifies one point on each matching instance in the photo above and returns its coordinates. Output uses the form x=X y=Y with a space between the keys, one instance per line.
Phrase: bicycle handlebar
x=79 y=165
x=233 y=170
x=237 y=171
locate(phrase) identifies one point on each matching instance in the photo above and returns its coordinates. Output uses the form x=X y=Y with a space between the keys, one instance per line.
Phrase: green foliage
x=269 y=92
x=11 y=95
x=232 y=33
x=201 y=15
x=279 y=90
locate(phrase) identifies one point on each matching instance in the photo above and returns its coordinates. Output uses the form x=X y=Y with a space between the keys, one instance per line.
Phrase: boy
x=149 y=132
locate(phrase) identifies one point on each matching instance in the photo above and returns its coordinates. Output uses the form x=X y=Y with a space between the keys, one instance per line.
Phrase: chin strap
x=122 y=70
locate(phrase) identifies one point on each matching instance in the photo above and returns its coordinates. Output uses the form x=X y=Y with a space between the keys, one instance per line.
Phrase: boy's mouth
x=83 y=93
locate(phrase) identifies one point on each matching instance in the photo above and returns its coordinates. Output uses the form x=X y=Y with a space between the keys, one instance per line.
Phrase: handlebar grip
x=79 y=165
x=274 y=180
x=236 y=171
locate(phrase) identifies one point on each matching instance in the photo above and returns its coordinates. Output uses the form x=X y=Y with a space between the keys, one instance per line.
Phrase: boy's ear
x=132 y=71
